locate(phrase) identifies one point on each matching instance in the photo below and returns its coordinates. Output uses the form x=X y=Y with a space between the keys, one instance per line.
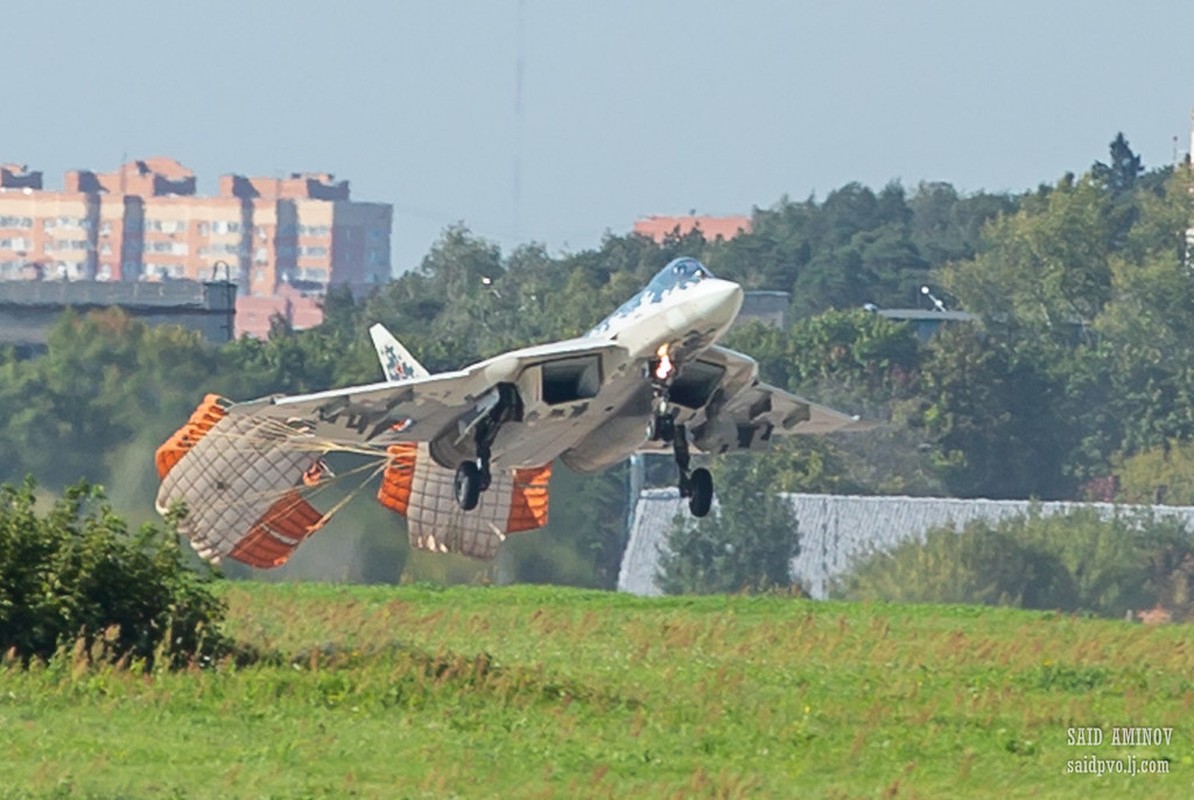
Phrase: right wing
x=423 y=409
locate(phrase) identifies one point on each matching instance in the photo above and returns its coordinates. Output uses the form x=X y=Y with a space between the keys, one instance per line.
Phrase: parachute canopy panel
x=415 y=486
x=242 y=479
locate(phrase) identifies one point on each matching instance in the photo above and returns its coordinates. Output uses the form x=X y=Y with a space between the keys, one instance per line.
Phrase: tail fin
x=396 y=361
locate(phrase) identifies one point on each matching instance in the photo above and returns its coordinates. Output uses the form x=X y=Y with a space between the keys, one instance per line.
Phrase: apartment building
x=146 y=222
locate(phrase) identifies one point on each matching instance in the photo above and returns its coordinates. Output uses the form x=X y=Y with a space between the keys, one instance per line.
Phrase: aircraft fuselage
x=681 y=313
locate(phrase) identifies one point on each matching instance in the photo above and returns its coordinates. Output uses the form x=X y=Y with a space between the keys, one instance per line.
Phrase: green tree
x=1077 y=561
x=1044 y=269
x=992 y=419
x=1125 y=169
x=746 y=544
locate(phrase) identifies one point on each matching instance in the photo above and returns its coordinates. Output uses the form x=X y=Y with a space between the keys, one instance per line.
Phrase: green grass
x=543 y=692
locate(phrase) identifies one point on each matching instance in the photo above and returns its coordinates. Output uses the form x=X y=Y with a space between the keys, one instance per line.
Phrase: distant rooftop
x=660 y=227
x=18 y=176
x=926 y=315
x=162 y=176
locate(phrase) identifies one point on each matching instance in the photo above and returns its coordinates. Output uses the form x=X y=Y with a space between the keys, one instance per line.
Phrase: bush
x=981 y=564
x=1077 y=561
x=77 y=573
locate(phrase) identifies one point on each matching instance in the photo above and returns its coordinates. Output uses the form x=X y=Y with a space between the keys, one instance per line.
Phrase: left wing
x=762 y=411
x=743 y=413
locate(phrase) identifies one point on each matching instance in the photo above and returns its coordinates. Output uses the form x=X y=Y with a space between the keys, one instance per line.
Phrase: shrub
x=980 y=564
x=77 y=573
x=1077 y=561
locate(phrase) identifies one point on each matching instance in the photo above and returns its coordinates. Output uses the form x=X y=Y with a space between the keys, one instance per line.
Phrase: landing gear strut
x=662 y=427
x=696 y=485
x=474 y=477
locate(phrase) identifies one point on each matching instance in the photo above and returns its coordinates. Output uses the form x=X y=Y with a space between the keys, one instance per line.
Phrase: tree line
x=1075 y=380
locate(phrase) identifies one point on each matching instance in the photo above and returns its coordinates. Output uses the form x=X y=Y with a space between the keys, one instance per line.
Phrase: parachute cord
x=348 y=497
x=274 y=433
x=371 y=466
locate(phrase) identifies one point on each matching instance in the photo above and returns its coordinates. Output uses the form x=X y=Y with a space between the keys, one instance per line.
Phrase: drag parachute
x=244 y=481
x=419 y=489
x=254 y=489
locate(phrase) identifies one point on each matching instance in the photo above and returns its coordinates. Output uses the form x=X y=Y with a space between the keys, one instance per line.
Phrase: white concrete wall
x=835 y=530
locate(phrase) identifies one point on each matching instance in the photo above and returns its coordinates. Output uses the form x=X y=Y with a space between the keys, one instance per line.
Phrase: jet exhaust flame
x=664 y=369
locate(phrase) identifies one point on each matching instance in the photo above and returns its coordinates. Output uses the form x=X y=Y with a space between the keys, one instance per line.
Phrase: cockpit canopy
x=679 y=273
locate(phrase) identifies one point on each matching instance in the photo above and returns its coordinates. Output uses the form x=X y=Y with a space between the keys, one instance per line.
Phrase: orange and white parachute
x=244 y=481
x=252 y=485
x=419 y=489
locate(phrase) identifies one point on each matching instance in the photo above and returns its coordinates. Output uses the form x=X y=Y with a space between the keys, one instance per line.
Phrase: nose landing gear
x=696 y=485
x=662 y=427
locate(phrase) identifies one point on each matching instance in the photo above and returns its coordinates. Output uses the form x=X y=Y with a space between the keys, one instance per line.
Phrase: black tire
x=666 y=427
x=468 y=485
x=701 y=486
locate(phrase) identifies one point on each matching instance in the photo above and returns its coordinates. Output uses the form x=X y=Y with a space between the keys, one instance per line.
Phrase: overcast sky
x=628 y=108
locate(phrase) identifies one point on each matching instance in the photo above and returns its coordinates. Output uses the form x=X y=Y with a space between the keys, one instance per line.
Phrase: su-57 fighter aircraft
x=466 y=456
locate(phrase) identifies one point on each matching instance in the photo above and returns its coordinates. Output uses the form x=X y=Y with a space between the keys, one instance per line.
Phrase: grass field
x=544 y=693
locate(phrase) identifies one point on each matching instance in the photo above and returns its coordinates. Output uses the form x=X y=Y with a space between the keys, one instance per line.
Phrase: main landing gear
x=474 y=477
x=467 y=485
x=695 y=485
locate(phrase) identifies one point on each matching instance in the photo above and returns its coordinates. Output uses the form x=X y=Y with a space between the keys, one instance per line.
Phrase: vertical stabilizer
x=396 y=361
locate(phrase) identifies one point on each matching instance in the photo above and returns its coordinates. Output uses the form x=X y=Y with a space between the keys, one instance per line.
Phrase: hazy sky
x=628 y=108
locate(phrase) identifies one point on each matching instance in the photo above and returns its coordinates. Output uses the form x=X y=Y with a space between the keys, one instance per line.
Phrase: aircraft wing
x=745 y=413
x=786 y=413
x=421 y=409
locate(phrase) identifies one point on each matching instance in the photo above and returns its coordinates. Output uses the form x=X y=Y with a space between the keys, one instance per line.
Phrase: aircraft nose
x=722 y=301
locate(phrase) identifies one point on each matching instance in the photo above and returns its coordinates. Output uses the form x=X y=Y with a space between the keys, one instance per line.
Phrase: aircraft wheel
x=468 y=485
x=701 y=488
x=663 y=428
